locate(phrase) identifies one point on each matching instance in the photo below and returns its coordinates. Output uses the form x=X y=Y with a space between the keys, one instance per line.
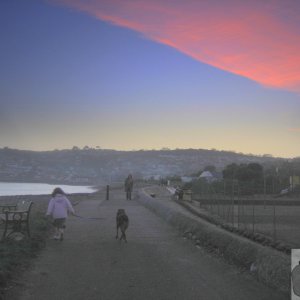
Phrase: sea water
x=15 y=189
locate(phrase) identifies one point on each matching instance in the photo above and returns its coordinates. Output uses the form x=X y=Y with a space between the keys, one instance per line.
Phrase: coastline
x=22 y=189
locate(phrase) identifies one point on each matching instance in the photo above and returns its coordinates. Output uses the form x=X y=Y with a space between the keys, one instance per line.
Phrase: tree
x=248 y=177
x=251 y=172
x=210 y=168
x=243 y=172
x=230 y=171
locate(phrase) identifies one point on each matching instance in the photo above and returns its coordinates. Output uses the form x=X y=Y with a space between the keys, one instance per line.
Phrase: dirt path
x=156 y=263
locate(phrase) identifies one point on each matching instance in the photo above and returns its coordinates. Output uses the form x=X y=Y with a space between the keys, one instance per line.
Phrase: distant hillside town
x=92 y=166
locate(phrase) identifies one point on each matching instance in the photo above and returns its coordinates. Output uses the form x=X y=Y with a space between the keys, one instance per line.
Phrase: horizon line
x=153 y=149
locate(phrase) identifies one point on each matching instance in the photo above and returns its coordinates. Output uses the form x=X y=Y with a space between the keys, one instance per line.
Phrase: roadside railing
x=278 y=218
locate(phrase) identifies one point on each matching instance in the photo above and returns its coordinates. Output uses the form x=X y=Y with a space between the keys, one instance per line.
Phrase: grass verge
x=16 y=256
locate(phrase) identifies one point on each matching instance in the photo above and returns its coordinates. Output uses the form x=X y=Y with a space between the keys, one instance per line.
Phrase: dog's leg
x=117 y=232
x=123 y=236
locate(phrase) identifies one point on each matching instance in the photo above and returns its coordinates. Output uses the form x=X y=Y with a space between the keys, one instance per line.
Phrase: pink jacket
x=59 y=206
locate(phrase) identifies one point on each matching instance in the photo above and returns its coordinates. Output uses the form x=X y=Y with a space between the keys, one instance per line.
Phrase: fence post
x=264 y=189
x=232 y=202
x=274 y=221
x=253 y=221
x=238 y=213
x=107 y=192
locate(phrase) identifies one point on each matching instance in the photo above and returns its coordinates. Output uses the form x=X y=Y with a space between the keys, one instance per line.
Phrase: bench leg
x=17 y=227
x=27 y=228
x=5 y=231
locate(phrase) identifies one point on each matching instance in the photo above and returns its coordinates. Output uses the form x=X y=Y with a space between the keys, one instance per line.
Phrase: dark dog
x=122 y=223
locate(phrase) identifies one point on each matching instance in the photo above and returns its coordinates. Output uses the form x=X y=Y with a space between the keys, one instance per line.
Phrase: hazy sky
x=147 y=74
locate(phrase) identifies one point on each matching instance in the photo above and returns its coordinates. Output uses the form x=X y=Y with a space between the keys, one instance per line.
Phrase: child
x=58 y=208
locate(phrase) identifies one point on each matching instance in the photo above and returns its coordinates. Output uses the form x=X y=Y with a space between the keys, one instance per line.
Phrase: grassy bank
x=15 y=256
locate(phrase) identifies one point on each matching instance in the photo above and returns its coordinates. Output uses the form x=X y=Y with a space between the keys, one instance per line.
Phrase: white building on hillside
x=209 y=176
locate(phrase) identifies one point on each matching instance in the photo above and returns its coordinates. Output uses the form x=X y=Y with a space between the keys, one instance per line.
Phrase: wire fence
x=275 y=217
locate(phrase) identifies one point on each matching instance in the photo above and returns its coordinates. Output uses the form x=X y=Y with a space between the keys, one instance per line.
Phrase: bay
x=17 y=189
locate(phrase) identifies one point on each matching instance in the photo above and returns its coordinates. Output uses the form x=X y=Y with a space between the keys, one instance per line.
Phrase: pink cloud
x=294 y=130
x=256 y=39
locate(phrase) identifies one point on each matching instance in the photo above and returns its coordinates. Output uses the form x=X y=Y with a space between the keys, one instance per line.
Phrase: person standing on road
x=128 y=186
x=59 y=207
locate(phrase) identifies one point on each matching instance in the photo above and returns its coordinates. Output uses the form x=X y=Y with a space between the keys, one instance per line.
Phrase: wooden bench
x=15 y=218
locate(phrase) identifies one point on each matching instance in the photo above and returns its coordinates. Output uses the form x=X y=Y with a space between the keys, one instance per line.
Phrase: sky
x=148 y=74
